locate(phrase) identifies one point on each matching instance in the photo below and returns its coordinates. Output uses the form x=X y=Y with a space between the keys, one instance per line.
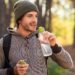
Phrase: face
x=29 y=21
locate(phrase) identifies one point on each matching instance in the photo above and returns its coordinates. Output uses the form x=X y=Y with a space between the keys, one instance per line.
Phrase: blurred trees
x=2 y=17
x=54 y=15
x=49 y=15
x=44 y=18
x=5 y=15
x=62 y=21
x=73 y=1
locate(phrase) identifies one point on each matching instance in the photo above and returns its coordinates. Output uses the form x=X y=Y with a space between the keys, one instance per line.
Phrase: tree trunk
x=8 y=12
x=40 y=13
x=2 y=18
x=42 y=19
x=5 y=16
x=49 y=4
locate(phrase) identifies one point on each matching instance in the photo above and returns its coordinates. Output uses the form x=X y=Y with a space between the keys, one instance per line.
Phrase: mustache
x=33 y=24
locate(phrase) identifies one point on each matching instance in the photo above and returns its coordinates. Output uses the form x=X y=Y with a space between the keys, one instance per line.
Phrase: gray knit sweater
x=29 y=49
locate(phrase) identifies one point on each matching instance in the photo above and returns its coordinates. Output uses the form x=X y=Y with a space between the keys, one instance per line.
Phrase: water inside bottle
x=47 y=51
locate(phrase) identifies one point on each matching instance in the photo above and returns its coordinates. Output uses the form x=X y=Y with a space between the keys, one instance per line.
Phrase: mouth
x=34 y=25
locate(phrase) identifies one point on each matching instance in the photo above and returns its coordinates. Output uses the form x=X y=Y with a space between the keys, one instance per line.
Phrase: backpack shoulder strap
x=6 y=48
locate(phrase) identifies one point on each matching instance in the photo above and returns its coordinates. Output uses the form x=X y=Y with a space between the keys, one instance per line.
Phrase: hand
x=21 y=69
x=47 y=37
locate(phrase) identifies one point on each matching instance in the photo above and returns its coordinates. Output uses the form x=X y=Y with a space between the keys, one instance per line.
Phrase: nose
x=35 y=19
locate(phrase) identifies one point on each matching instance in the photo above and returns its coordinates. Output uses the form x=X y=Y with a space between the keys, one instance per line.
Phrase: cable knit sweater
x=29 y=49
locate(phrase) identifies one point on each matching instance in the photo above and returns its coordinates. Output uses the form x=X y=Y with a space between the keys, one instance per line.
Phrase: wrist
x=56 y=48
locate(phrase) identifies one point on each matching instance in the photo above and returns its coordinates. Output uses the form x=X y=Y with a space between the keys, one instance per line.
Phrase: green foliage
x=54 y=69
x=63 y=29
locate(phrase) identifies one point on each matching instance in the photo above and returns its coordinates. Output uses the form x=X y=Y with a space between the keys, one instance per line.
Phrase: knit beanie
x=21 y=7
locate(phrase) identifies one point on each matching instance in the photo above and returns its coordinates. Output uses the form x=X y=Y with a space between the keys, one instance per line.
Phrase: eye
x=29 y=15
x=32 y=15
x=36 y=16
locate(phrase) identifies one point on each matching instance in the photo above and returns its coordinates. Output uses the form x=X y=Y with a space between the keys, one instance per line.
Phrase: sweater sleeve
x=62 y=57
x=4 y=71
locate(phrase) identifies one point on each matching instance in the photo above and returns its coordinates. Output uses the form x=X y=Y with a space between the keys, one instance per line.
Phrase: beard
x=30 y=28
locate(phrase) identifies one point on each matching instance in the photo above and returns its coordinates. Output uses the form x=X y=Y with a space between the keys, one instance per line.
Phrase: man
x=26 y=46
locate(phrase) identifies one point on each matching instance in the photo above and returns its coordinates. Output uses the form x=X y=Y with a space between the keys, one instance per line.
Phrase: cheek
x=24 y=22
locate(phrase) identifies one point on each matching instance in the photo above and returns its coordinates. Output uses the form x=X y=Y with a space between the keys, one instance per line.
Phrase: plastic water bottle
x=46 y=49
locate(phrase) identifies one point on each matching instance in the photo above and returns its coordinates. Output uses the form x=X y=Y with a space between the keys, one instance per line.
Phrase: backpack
x=6 y=48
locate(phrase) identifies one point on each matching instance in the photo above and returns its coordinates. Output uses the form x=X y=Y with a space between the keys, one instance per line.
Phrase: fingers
x=52 y=39
x=21 y=69
x=47 y=37
x=22 y=66
x=44 y=37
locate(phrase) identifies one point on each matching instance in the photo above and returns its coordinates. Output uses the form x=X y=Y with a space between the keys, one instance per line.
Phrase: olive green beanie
x=21 y=7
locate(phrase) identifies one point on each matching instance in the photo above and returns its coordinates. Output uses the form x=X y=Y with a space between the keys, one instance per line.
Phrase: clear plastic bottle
x=46 y=49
